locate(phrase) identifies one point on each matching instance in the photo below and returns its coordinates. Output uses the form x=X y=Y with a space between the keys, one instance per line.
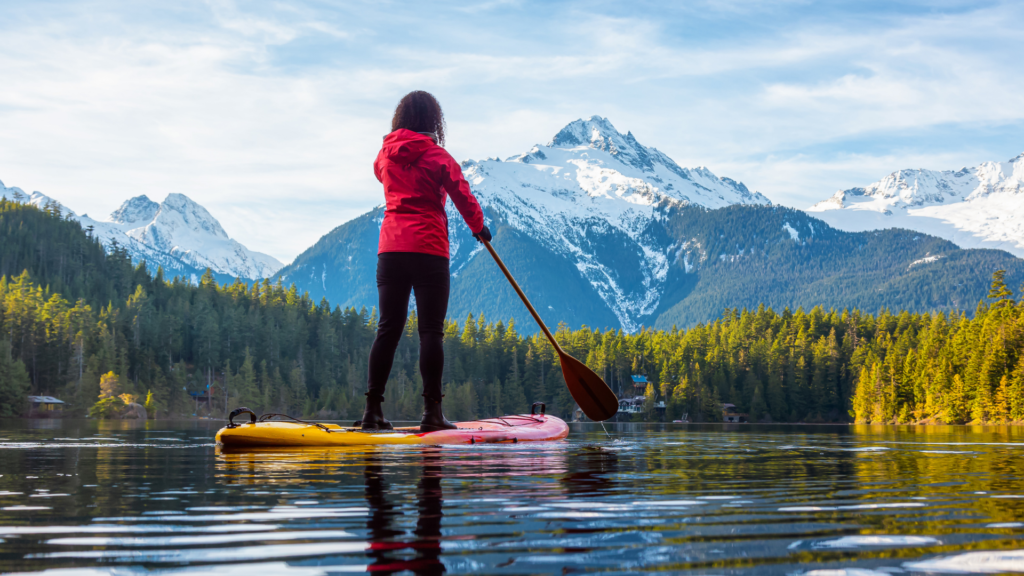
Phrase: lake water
x=81 y=497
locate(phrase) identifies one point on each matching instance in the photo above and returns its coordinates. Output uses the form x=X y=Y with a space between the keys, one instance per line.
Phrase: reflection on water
x=81 y=497
x=386 y=540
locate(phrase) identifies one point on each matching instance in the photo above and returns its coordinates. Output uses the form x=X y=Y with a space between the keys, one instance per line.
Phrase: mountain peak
x=185 y=230
x=598 y=133
x=135 y=210
x=592 y=181
x=195 y=217
x=584 y=132
x=178 y=201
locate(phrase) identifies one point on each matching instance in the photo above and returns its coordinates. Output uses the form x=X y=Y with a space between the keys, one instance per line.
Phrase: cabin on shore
x=635 y=405
x=202 y=399
x=731 y=414
x=639 y=385
x=45 y=407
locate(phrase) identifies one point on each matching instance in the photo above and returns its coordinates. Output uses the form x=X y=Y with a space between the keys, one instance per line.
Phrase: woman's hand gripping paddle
x=592 y=395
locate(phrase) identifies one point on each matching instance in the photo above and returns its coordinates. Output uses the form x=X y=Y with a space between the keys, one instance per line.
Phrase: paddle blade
x=594 y=397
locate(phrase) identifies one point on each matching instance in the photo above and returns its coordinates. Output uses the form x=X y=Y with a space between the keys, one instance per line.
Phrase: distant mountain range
x=980 y=207
x=177 y=234
x=603 y=231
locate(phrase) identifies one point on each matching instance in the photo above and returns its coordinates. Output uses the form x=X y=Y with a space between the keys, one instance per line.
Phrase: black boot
x=433 y=419
x=373 y=416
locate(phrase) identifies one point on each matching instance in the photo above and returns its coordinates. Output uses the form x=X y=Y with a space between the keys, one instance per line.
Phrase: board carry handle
x=533 y=408
x=238 y=412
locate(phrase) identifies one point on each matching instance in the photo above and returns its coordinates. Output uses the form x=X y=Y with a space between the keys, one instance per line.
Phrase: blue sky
x=270 y=113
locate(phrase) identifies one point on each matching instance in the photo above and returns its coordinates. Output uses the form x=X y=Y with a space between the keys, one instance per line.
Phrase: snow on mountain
x=981 y=207
x=106 y=234
x=591 y=195
x=180 y=227
x=37 y=199
x=175 y=234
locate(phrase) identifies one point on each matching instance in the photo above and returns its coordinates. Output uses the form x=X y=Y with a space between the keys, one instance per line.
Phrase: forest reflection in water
x=699 y=499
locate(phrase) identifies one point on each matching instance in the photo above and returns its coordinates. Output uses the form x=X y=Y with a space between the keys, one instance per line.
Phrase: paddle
x=594 y=397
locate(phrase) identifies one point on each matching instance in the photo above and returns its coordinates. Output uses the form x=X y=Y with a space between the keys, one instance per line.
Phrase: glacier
x=980 y=207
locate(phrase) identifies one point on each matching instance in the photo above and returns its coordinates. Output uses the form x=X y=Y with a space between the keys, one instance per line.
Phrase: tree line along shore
x=94 y=330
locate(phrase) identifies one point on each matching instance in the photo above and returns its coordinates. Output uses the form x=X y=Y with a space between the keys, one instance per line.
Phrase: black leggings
x=398 y=273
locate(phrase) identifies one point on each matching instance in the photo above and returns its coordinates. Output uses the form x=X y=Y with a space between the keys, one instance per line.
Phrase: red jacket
x=418 y=176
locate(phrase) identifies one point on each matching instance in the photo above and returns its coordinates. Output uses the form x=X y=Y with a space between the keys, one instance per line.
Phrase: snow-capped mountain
x=589 y=204
x=178 y=234
x=590 y=195
x=180 y=227
x=602 y=231
x=980 y=207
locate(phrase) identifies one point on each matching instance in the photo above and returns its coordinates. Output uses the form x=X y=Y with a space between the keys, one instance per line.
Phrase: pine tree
x=650 y=400
x=758 y=407
x=981 y=408
x=864 y=397
x=776 y=396
x=711 y=405
x=800 y=400
x=297 y=385
x=1016 y=392
x=957 y=411
x=14 y=383
x=999 y=291
x=1001 y=405
x=678 y=405
x=513 y=398
x=244 y=389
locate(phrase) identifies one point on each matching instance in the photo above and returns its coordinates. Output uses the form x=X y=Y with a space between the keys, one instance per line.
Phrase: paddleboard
x=506 y=429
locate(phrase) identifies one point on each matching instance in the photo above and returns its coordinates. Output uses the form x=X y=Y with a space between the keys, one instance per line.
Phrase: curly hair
x=419 y=111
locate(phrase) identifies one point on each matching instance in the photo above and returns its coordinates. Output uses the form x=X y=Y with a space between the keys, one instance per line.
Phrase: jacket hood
x=405 y=146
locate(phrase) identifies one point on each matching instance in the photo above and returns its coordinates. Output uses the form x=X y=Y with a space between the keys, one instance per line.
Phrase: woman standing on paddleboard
x=418 y=176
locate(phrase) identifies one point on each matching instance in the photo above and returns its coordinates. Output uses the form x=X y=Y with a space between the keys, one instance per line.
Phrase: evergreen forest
x=87 y=325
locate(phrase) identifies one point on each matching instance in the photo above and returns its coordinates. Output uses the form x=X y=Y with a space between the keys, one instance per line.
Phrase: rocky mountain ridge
x=979 y=207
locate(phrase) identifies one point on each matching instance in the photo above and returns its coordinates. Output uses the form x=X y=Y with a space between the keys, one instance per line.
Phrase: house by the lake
x=635 y=405
x=45 y=407
x=731 y=414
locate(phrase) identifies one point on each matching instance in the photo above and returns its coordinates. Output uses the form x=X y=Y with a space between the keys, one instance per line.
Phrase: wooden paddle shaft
x=523 y=296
